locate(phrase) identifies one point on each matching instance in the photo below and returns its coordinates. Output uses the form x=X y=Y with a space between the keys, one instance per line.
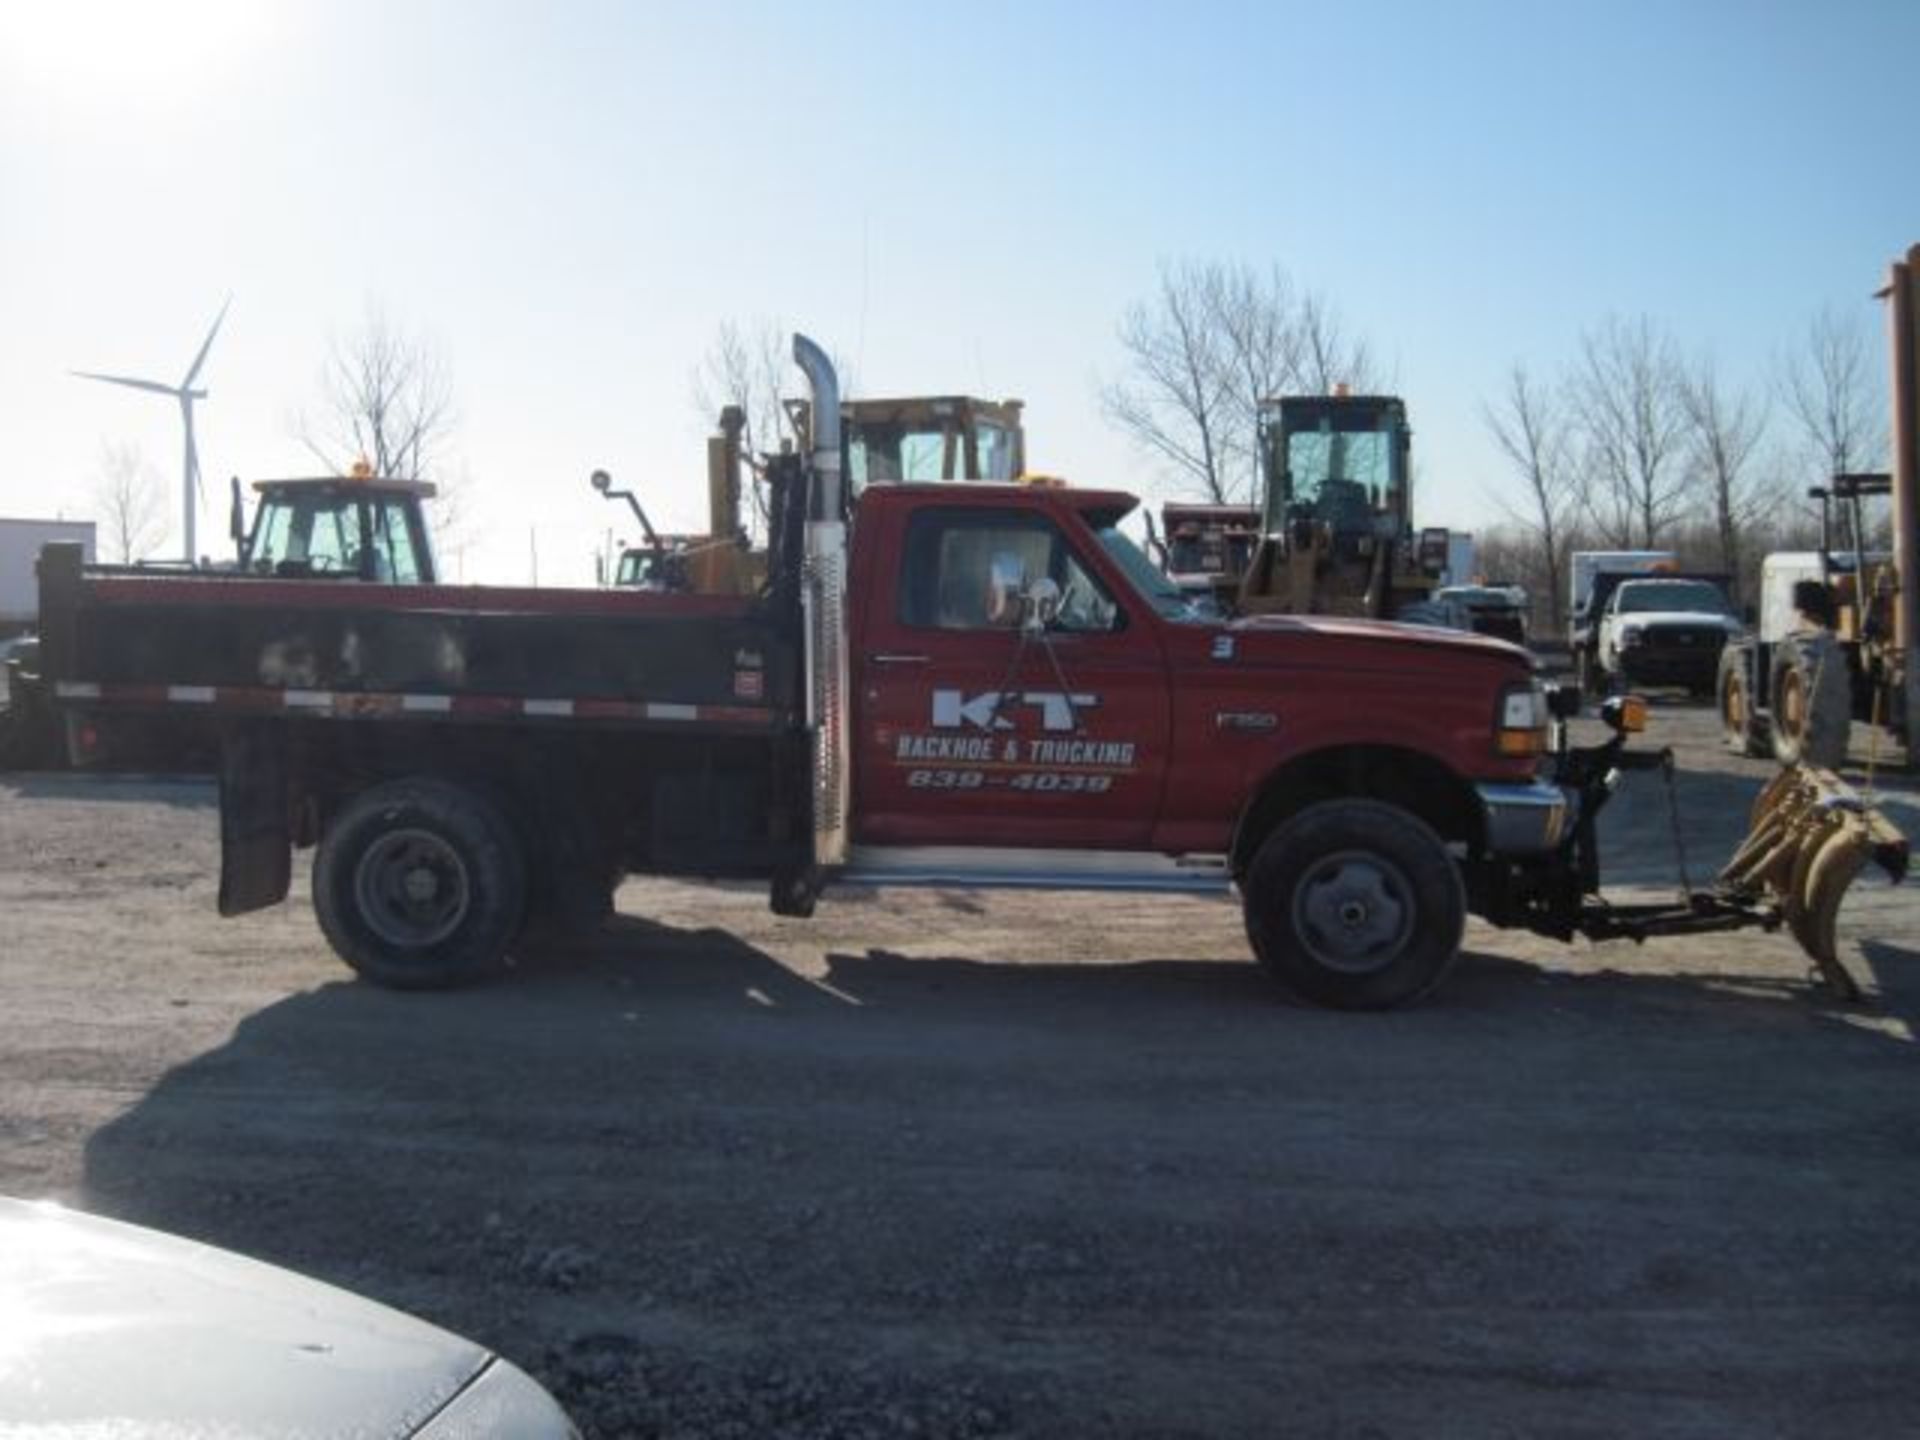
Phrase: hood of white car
x=113 y=1330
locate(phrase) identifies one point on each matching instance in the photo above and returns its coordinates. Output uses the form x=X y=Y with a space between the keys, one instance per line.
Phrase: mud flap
x=256 y=845
x=1809 y=836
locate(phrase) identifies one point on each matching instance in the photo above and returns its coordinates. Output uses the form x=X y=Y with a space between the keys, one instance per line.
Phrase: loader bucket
x=1810 y=835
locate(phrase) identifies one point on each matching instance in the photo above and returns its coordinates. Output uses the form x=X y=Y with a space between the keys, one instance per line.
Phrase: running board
x=965 y=867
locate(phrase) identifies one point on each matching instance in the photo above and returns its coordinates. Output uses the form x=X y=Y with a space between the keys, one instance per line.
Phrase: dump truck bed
x=238 y=643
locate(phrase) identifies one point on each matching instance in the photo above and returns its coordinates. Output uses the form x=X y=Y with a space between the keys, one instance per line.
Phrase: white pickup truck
x=1665 y=630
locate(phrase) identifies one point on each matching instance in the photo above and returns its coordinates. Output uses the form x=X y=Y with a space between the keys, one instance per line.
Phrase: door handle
x=894 y=658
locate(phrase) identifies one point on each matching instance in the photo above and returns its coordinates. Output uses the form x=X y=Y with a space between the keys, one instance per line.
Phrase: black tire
x=1812 y=700
x=420 y=884
x=1744 y=728
x=1355 y=904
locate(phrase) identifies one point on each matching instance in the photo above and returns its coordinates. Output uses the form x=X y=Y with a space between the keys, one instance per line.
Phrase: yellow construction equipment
x=720 y=562
x=1809 y=835
x=1337 y=518
x=932 y=437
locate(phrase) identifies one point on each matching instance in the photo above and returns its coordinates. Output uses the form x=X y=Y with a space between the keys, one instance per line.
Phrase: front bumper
x=1527 y=819
x=1682 y=666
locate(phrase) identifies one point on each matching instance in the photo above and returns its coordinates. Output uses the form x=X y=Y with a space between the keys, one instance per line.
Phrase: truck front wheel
x=1812 y=700
x=1355 y=904
x=1744 y=727
x=419 y=884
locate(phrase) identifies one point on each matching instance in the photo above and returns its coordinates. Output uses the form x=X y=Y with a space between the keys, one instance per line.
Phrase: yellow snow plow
x=1809 y=837
x=1810 y=834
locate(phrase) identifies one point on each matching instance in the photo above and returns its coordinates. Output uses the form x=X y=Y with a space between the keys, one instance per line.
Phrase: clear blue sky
x=568 y=199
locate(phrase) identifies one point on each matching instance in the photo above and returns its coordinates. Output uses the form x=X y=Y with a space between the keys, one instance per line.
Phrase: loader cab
x=1337 y=534
x=1338 y=461
x=942 y=437
x=361 y=528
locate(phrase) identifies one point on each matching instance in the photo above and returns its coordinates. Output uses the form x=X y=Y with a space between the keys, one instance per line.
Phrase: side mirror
x=601 y=481
x=237 y=518
x=1040 y=603
x=1006 y=589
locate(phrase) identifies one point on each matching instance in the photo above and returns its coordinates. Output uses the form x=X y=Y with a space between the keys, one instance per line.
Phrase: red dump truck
x=950 y=684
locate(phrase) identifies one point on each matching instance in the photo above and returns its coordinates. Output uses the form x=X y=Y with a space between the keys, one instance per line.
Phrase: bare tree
x=1328 y=355
x=748 y=366
x=1626 y=397
x=1178 y=403
x=1214 y=341
x=386 y=399
x=1832 y=390
x=127 y=497
x=1725 y=430
x=1530 y=428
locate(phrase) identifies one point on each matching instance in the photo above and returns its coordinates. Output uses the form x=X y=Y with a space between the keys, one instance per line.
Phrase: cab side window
x=393 y=557
x=965 y=569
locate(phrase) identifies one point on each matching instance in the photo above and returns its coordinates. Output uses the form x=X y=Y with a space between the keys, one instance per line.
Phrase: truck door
x=972 y=730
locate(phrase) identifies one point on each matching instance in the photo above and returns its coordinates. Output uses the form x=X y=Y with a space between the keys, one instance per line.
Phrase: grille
x=1686 y=637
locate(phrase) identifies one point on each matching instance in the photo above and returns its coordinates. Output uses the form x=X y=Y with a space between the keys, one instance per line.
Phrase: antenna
x=186 y=395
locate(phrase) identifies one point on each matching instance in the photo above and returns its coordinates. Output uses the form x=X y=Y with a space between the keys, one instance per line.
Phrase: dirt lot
x=936 y=1164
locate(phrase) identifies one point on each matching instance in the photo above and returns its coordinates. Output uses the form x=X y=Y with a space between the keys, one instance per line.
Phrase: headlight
x=1631 y=635
x=1521 y=727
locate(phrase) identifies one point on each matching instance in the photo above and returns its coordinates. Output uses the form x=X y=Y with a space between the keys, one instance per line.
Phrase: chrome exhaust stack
x=823 y=596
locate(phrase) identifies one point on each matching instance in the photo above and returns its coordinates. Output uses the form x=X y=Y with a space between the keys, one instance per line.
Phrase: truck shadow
x=647 y=1133
x=643 y=963
x=642 y=1007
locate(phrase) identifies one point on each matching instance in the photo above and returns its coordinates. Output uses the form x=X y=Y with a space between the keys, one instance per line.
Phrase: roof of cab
x=379 y=484
x=990 y=492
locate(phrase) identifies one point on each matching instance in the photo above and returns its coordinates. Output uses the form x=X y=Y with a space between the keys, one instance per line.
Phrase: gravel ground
x=937 y=1164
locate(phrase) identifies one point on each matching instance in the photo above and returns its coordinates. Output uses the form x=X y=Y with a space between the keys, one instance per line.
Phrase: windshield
x=1166 y=598
x=1337 y=476
x=1691 y=596
x=994 y=444
x=883 y=451
x=317 y=532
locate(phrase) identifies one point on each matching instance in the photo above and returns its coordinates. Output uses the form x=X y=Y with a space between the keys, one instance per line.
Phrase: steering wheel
x=320 y=564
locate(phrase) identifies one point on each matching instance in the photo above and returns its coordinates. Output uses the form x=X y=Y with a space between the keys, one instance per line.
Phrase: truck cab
x=355 y=527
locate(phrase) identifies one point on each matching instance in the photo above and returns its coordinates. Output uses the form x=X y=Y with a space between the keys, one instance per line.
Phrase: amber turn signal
x=1626 y=714
x=1521 y=742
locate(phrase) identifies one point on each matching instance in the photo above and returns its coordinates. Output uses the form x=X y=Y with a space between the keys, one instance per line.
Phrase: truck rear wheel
x=1355 y=904
x=1745 y=729
x=1812 y=701
x=419 y=884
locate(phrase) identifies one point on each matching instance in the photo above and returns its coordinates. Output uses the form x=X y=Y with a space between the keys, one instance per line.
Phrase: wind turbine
x=186 y=395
